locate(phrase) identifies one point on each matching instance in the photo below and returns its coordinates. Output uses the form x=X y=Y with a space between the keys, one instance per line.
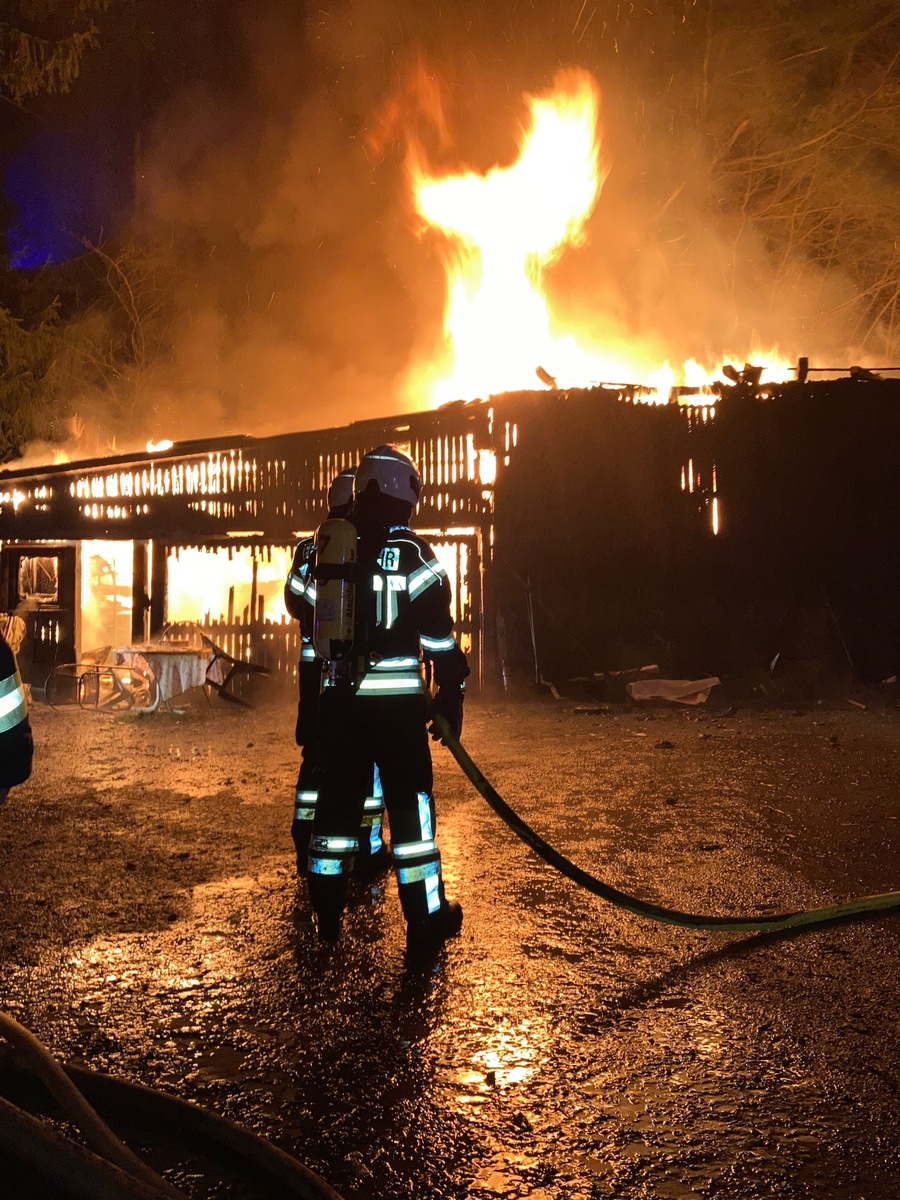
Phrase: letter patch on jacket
x=389 y=559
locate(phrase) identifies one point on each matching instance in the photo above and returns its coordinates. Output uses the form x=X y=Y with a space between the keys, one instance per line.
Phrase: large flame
x=502 y=229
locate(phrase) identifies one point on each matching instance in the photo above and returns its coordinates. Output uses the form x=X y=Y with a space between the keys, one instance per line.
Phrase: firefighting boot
x=330 y=864
x=326 y=896
x=424 y=937
x=327 y=926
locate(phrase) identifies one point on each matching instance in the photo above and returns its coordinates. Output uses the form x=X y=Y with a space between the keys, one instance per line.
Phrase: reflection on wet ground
x=558 y=1050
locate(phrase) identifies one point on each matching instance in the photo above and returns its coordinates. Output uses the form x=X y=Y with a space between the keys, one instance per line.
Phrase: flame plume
x=503 y=229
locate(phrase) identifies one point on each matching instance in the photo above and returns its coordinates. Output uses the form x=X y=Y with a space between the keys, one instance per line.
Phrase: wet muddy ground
x=151 y=927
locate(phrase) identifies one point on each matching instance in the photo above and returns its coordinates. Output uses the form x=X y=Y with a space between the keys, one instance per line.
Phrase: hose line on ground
x=110 y=1171
x=97 y=1133
x=68 y=1167
x=294 y=1178
x=643 y=908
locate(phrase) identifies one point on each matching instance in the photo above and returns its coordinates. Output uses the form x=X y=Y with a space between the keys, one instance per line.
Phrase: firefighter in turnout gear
x=16 y=743
x=299 y=600
x=374 y=705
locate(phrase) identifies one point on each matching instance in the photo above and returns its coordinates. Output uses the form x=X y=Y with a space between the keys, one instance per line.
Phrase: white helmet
x=395 y=474
x=341 y=490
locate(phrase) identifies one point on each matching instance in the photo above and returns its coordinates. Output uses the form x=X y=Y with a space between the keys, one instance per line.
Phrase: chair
x=94 y=682
x=224 y=669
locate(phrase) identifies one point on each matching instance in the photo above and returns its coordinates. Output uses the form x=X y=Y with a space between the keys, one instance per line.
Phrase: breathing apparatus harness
x=642 y=908
x=342 y=620
x=334 y=619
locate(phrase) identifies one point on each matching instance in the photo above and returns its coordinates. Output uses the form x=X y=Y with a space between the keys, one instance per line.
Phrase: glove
x=448 y=703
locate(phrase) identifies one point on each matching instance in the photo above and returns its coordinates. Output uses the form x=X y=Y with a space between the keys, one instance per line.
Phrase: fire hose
x=761 y=923
x=108 y=1169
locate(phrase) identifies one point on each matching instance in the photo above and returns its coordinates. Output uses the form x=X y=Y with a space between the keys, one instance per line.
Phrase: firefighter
x=299 y=598
x=374 y=705
x=16 y=743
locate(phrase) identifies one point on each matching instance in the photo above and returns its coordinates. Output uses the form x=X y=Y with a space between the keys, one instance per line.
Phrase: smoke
x=302 y=295
x=675 y=269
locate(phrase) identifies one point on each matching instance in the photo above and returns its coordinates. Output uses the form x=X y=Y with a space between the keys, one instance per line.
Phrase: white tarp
x=682 y=691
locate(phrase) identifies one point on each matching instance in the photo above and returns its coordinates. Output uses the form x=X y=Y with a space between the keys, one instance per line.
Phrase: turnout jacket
x=16 y=744
x=402 y=612
x=296 y=601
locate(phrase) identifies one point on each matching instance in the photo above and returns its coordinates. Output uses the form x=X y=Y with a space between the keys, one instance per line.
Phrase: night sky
x=68 y=161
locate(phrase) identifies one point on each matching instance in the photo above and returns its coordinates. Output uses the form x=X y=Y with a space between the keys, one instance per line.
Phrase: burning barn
x=584 y=532
x=111 y=550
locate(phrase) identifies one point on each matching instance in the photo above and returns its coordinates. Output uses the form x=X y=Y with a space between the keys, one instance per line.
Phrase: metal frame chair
x=230 y=669
x=98 y=684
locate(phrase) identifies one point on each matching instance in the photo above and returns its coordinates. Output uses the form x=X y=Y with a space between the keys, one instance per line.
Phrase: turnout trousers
x=389 y=731
x=371 y=844
x=306 y=795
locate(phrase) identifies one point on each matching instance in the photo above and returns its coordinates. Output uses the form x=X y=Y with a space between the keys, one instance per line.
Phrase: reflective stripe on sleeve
x=424 y=577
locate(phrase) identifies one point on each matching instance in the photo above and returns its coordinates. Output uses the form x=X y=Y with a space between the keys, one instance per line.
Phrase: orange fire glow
x=502 y=229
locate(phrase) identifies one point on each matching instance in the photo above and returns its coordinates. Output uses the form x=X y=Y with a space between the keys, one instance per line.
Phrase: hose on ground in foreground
x=762 y=923
x=69 y=1168
x=99 y=1137
x=293 y=1177
x=109 y=1170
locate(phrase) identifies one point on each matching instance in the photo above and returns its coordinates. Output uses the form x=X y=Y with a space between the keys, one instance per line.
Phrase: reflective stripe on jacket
x=16 y=745
x=299 y=590
x=403 y=609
